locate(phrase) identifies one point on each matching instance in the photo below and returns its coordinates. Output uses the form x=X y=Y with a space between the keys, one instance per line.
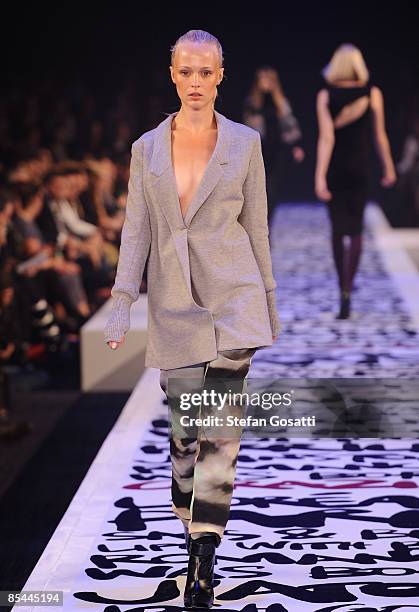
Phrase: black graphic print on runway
x=315 y=525
x=379 y=340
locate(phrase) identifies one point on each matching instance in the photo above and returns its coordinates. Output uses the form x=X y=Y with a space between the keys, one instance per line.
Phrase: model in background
x=267 y=110
x=197 y=210
x=346 y=108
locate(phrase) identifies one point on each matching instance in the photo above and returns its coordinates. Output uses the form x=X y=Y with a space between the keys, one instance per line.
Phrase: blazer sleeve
x=133 y=251
x=254 y=219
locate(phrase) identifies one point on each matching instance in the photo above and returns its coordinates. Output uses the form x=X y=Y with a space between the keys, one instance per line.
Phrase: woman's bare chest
x=190 y=158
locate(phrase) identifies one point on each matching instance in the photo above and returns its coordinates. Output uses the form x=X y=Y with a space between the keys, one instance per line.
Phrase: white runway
x=316 y=525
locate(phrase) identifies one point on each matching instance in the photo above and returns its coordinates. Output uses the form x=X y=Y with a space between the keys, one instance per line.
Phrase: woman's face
x=77 y=184
x=58 y=187
x=266 y=79
x=196 y=70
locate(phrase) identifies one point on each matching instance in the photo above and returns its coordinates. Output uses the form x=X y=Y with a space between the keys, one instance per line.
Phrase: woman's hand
x=65 y=267
x=322 y=191
x=298 y=154
x=389 y=178
x=72 y=247
x=274 y=338
x=114 y=345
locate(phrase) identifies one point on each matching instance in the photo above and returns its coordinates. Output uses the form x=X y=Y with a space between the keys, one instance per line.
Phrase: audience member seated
x=53 y=277
x=80 y=240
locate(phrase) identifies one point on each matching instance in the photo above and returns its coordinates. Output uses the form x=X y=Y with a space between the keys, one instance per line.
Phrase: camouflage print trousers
x=204 y=469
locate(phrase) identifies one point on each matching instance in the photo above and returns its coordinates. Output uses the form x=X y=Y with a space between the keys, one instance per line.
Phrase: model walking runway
x=314 y=524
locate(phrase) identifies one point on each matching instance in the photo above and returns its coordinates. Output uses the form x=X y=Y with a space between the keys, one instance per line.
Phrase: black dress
x=349 y=169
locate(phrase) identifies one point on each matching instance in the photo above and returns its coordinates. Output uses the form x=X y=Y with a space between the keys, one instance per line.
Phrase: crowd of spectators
x=64 y=173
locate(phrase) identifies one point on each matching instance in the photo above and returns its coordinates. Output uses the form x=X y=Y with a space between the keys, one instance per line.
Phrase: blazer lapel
x=164 y=188
x=213 y=171
x=163 y=176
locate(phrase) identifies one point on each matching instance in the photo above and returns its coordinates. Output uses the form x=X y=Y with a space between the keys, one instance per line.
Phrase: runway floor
x=316 y=524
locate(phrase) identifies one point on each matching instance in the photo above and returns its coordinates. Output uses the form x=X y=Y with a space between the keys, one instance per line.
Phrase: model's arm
x=325 y=144
x=254 y=219
x=133 y=252
x=252 y=115
x=409 y=154
x=380 y=137
x=291 y=134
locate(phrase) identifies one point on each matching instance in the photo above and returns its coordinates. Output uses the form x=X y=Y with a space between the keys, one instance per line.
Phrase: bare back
x=190 y=156
x=350 y=108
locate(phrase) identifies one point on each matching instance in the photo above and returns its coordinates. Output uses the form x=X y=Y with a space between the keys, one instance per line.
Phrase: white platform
x=103 y=369
x=409 y=239
x=398 y=248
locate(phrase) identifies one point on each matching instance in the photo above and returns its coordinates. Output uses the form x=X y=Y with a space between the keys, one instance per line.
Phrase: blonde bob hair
x=347 y=64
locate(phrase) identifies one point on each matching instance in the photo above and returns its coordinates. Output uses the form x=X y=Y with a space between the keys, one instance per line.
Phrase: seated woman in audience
x=25 y=315
x=60 y=278
x=99 y=199
x=80 y=240
x=71 y=227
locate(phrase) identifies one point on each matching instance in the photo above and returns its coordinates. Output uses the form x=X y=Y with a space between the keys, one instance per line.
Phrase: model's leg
x=342 y=262
x=346 y=212
x=355 y=249
x=340 y=220
x=183 y=450
x=215 y=468
x=338 y=247
x=338 y=214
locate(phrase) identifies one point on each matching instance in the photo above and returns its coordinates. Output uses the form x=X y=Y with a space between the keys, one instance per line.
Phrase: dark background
x=115 y=45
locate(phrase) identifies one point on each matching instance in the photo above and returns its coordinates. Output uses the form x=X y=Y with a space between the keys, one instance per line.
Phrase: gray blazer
x=209 y=279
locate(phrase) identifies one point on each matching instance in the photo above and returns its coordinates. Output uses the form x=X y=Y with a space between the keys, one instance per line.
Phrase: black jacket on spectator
x=47 y=224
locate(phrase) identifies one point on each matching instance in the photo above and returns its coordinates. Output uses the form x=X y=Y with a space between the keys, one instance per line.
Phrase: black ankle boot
x=345 y=305
x=199 y=591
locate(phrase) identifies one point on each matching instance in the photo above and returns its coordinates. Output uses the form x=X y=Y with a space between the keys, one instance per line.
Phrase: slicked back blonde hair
x=347 y=63
x=198 y=36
